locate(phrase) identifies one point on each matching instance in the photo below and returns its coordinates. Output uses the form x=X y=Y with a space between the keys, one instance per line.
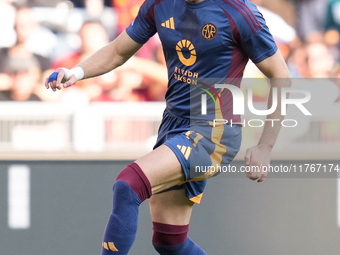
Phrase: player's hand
x=258 y=159
x=61 y=78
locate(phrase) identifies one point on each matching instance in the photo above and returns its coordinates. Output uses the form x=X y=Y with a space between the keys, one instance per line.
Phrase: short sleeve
x=143 y=27
x=255 y=38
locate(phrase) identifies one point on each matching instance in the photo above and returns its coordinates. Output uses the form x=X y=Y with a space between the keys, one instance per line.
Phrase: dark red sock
x=135 y=177
x=169 y=235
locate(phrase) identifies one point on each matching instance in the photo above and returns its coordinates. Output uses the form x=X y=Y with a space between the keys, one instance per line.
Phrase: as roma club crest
x=209 y=31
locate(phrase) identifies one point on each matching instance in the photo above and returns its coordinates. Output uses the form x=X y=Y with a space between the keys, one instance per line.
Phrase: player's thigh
x=171 y=207
x=162 y=168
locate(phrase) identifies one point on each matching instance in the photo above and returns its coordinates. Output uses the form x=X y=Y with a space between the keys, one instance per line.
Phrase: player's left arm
x=275 y=68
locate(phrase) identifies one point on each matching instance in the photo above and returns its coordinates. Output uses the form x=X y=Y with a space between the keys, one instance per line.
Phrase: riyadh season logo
x=239 y=105
x=183 y=46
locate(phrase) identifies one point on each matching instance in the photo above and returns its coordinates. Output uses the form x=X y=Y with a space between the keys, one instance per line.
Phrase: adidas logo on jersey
x=109 y=246
x=185 y=150
x=169 y=23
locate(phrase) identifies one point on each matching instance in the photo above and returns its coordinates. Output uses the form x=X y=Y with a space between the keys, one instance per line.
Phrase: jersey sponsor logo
x=185 y=150
x=169 y=23
x=181 y=47
x=185 y=76
x=209 y=31
x=109 y=246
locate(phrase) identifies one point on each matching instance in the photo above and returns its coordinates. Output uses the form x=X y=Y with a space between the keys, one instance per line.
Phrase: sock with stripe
x=173 y=240
x=131 y=188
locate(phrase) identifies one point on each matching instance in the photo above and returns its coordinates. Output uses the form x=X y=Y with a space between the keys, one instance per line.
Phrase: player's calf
x=131 y=188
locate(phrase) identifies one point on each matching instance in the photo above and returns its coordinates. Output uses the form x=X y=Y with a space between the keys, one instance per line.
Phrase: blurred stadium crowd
x=38 y=36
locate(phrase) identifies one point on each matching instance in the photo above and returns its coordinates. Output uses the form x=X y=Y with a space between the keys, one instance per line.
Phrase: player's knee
x=132 y=179
x=166 y=237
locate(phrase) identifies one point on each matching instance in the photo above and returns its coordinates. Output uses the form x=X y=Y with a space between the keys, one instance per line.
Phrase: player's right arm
x=104 y=60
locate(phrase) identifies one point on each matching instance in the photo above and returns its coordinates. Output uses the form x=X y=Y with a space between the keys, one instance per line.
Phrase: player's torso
x=192 y=35
x=198 y=43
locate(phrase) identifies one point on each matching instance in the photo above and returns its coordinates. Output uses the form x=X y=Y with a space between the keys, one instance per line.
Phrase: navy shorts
x=200 y=147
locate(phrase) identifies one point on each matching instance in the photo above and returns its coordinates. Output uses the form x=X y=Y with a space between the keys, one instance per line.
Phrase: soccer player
x=200 y=39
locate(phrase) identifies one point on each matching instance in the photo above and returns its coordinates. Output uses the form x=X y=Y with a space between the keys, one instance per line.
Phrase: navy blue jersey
x=209 y=39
